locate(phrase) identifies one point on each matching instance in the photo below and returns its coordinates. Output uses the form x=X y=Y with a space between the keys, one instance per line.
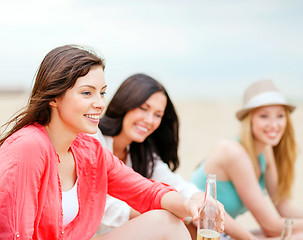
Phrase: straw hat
x=259 y=94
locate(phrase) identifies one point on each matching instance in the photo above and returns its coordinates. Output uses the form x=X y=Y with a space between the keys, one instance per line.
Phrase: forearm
x=198 y=196
x=298 y=225
x=236 y=231
x=288 y=209
x=178 y=205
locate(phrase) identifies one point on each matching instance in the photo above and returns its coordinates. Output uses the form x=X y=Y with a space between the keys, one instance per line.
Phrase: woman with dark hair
x=162 y=139
x=54 y=177
x=141 y=127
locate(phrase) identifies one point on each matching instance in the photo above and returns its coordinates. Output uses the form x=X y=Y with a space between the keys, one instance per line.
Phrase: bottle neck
x=211 y=188
x=287 y=229
x=209 y=214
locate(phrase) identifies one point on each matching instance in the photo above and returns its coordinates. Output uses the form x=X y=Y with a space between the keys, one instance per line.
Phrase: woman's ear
x=53 y=103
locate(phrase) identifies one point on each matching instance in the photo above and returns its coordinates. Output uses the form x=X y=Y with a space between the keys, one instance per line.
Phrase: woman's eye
x=102 y=93
x=143 y=108
x=263 y=116
x=86 y=93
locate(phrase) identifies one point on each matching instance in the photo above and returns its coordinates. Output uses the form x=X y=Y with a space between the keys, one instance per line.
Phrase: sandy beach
x=202 y=123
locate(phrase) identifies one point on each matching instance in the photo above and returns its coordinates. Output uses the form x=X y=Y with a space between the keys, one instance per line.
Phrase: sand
x=202 y=123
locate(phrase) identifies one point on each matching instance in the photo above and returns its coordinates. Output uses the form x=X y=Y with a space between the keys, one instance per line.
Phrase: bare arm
x=288 y=209
x=230 y=162
x=284 y=207
x=233 y=229
x=246 y=183
x=181 y=206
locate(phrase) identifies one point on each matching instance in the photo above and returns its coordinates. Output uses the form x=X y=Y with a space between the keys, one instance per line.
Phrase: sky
x=195 y=48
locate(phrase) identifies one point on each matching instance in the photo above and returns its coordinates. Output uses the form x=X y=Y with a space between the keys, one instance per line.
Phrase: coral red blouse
x=30 y=191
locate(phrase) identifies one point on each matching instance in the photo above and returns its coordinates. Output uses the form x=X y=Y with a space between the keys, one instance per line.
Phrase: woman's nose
x=149 y=117
x=99 y=102
x=274 y=123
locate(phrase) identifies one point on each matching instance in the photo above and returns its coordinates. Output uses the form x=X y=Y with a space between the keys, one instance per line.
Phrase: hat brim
x=243 y=112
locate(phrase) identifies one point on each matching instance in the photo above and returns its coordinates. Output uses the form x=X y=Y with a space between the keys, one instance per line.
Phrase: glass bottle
x=287 y=229
x=209 y=216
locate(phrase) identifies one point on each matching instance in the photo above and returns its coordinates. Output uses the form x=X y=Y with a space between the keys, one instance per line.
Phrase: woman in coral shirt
x=54 y=177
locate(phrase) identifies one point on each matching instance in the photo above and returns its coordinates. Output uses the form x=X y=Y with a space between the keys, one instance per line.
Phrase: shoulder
x=86 y=141
x=226 y=155
x=230 y=149
x=227 y=159
x=33 y=137
x=30 y=148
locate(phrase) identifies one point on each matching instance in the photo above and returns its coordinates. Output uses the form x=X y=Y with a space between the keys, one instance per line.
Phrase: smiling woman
x=261 y=159
x=140 y=122
x=55 y=177
x=268 y=125
x=145 y=124
x=144 y=133
x=88 y=92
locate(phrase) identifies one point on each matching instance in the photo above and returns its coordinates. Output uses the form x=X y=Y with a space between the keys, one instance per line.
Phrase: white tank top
x=70 y=205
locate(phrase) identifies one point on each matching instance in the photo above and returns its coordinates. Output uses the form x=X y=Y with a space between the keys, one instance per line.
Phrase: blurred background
x=197 y=48
x=205 y=52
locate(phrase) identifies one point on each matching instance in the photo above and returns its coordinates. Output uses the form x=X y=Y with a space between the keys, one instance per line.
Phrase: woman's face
x=268 y=124
x=80 y=108
x=142 y=121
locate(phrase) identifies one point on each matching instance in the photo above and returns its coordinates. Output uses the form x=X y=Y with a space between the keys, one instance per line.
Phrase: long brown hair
x=285 y=155
x=132 y=93
x=58 y=72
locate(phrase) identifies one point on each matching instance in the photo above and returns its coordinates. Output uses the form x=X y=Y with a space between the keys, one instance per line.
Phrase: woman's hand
x=200 y=197
x=183 y=207
x=194 y=207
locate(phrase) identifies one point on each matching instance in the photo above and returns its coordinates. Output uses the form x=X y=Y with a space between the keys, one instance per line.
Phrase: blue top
x=226 y=192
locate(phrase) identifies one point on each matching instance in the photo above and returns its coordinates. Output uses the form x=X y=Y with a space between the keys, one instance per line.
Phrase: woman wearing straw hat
x=262 y=158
